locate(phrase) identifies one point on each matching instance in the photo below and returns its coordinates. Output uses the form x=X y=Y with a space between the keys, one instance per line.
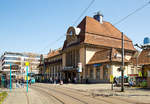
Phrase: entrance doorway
x=69 y=76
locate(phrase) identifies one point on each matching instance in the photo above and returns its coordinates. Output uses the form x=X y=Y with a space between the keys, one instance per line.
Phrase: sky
x=40 y=25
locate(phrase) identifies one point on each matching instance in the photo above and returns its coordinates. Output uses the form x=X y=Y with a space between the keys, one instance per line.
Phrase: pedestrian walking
x=22 y=83
x=17 y=84
x=115 y=81
x=54 y=80
x=61 y=82
x=75 y=80
x=30 y=82
x=51 y=80
x=69 y=80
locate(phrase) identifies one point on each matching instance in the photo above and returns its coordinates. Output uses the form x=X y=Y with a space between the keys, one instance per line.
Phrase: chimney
x=98 y=17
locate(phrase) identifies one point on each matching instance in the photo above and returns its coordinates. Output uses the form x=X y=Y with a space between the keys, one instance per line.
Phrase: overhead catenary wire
x=61 y=37
x=136 y=10
x=90 y=4
x=84 y=11
x=53 y=42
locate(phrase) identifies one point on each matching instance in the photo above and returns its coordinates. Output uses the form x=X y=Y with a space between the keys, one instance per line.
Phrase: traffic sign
x=111 y=78
x=27 y=63
x=140 y=74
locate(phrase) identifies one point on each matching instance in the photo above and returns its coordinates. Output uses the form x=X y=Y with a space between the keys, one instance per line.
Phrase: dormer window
x=73 y=31
x=70 y=33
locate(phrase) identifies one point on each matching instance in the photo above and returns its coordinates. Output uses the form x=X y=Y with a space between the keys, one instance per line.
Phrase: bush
x=3 y=95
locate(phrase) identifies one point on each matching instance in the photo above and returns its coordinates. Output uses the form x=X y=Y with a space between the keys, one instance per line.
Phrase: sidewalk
x=16 y=96
x=20 y=96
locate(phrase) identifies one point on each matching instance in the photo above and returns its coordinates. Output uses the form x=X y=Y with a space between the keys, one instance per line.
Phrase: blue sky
x=34 y=25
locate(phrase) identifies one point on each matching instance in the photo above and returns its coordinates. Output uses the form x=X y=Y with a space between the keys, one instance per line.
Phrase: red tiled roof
x=104 y=34
x=93 y=32
x=100 y=56
x=53 y=53
x=107 y=55
x=107 y=41
x=106 y=29
x=144 y=57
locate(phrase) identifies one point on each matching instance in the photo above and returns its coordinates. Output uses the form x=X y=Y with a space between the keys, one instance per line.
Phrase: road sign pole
x=27 y=77
x=27 y=65
x=111 y=85
x=10 y=78
x=111 y=80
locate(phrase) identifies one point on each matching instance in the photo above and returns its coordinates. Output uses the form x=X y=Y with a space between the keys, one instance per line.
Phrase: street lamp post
x=10 y=78
x=122 y=68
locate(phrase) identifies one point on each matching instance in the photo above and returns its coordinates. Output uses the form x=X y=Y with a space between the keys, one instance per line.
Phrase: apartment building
x=17 y=61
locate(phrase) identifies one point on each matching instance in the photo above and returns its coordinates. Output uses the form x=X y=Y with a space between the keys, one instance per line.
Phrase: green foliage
x=143 y=84
x=3 y=95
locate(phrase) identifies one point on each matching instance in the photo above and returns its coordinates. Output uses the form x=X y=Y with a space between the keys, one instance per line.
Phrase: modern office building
x=17 y=62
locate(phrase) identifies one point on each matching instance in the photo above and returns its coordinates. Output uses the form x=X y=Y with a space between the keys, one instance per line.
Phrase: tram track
x=56 y=97
x=73 y=93
x=47 y=93
x=108 y=100
x=111 y=97
x=102 y=98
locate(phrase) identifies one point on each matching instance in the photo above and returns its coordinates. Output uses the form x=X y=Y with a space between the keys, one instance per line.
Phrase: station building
x=92 y=51
x=53 y=64
x=96 y=44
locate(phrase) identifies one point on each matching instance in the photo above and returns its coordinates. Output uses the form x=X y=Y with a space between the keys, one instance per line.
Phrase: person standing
x=51 y=80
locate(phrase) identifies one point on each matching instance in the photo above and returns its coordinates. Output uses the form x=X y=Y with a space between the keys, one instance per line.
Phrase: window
x=91 y=73
x=72 y=58
x=105 y=72
x=12 y=63
x=132 y=71
x=97 y=72
x=12 y=58
x=70 y=33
